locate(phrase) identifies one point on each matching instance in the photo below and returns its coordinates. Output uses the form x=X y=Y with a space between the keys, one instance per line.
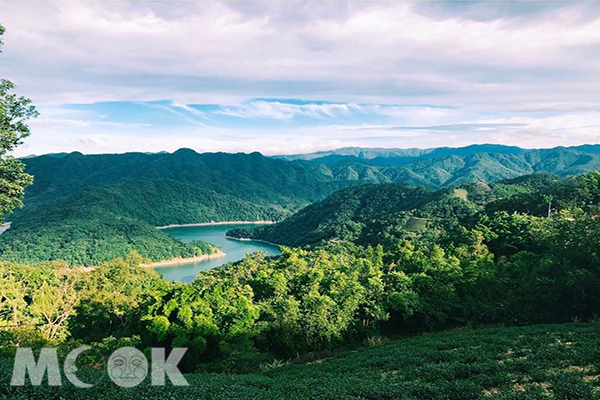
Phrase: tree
x=14 y=113
x=54 y=304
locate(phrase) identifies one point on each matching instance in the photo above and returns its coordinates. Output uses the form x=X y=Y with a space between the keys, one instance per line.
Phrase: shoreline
x=169 y=263
x=179 y=261
x=252 y=240
x=216 y=223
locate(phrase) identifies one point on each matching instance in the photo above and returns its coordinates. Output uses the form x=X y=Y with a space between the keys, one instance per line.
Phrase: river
x=214 y=234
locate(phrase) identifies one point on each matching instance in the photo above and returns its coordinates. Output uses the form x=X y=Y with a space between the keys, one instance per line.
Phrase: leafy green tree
x=54 y=304
x=14 y=113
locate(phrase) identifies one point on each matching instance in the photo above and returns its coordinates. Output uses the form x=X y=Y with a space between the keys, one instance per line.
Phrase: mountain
x=342 y=215
x=372 y=214
x=90 y=239
x=251 y=177
x=394 y=157
x=256 y=178
x=90 y=209
x=447 y=167
x=76 y=198
x=391 y=156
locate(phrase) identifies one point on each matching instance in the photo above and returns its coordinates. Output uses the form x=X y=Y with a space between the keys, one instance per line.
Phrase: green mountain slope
x=256 y=178
x=90 y=241
x=343 y=215
x=251 y=177
x=391 y=156
x=373 y=213
x=187 y=187
x=89 y=209
x=98 y=224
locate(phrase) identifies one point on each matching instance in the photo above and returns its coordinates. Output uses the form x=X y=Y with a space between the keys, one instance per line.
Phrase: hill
x=391 y=156
x=256 y=178
x=250 y=177
x=455 y=262
x=90 y=209
x=372 y=214
x=443 y=167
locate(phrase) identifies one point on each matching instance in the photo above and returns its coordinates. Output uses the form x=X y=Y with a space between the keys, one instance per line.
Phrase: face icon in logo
x=127 y=367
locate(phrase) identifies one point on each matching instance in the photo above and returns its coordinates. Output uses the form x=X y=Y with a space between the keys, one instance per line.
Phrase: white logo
x=127 y=367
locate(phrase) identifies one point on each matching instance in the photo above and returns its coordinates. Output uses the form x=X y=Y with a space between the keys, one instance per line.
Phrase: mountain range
x=76 y=199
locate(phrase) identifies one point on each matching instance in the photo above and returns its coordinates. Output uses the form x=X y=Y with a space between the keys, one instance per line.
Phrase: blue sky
x=284 y=78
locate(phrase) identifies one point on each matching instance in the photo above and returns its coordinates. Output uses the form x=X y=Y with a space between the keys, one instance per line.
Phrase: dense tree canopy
x=14 y=113
x=492 y=267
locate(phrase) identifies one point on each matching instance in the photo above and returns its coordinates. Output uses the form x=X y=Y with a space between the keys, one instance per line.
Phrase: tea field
x=517 y=363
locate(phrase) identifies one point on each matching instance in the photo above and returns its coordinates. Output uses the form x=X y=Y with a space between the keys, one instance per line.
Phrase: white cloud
x=412 y=64
x=286 y=111
x=377 y=49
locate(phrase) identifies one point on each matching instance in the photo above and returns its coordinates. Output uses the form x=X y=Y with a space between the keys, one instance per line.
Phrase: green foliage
x=99 y=238
x=373 y=214
x=252 y=178
x=382 y=260
x=14 y=113
x=350 y=214
x=91 y=209
x=441 y=167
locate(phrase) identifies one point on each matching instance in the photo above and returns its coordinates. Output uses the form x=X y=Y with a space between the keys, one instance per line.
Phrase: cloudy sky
x=298 y=77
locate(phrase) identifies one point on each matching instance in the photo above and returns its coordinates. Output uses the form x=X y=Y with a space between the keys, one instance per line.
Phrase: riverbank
x=171 y=262
x=216 y=223
x=252 y=240
x=179 y=261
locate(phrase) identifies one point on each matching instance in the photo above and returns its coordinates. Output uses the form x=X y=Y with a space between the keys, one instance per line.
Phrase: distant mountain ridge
x=398 y=156
x=441 y=167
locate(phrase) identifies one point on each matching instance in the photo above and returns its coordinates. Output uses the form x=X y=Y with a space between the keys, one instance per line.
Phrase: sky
x=299 y=77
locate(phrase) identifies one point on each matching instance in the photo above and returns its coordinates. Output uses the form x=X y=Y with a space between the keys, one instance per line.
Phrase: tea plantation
x=535 y=362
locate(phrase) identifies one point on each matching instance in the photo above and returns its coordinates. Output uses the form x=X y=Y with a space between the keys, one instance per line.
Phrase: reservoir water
x=235 y=250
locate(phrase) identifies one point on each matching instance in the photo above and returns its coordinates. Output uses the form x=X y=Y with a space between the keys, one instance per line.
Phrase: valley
x=89 y=209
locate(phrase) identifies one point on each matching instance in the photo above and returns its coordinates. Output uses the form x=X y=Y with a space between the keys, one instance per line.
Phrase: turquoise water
x=234 y=249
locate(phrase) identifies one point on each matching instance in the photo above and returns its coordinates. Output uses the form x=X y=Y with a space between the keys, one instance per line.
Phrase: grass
x=415 y=224
x=461 y=194
x=519 y=363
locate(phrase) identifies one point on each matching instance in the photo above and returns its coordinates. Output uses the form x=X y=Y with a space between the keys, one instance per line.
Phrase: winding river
x=215 y=234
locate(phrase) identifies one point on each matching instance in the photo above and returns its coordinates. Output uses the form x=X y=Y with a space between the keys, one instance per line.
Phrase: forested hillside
x=373 y=214
x=264 y=180
x=442 y=169
x=250 y=177
x=391 y=156
x=91 y=209
x=99 y=224
x=78 y=200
